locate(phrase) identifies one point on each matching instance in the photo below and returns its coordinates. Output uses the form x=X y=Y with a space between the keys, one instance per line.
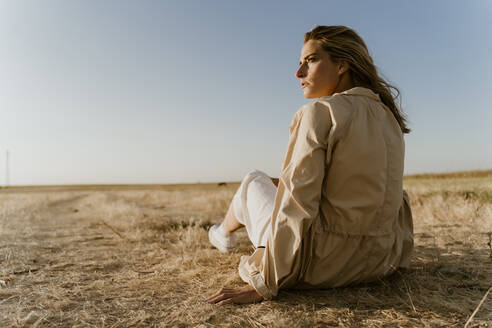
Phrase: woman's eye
x=312 y=59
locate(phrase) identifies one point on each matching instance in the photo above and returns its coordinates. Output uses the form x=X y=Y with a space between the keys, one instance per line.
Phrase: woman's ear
x=343 y=67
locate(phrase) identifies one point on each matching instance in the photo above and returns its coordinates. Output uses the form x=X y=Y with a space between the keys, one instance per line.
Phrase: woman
x=339 y=215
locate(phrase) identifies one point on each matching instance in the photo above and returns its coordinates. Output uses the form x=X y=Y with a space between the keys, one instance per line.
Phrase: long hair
x=343 y=43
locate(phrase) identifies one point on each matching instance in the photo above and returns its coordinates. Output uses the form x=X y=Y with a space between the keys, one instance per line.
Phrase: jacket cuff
x=255 y=280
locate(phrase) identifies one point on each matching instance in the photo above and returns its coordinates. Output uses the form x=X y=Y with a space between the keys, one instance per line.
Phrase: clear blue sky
x=188 y=91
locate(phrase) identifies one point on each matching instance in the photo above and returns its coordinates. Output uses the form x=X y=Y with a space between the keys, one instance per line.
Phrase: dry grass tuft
x=109 y=256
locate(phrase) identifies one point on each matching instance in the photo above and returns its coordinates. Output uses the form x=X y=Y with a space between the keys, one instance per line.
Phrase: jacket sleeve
x=296 y=206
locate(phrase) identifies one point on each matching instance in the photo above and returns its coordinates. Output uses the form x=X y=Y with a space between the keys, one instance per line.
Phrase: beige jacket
x=340 y=214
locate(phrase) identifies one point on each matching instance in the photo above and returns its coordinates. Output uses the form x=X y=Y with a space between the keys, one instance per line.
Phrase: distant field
x=463 y=174
x=138 y=256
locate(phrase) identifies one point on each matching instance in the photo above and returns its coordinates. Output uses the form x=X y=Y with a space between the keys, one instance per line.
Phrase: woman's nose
x=300 y=72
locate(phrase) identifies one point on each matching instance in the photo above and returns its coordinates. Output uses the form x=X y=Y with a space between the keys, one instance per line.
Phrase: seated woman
x=339 y=215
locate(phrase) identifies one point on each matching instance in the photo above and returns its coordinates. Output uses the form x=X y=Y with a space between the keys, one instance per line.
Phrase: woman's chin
x=309 y=94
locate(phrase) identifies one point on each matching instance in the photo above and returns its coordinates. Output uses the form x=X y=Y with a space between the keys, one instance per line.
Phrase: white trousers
x=253 y=205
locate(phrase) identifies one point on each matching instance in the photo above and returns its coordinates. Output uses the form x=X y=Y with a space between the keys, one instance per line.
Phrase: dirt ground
x=139 y=256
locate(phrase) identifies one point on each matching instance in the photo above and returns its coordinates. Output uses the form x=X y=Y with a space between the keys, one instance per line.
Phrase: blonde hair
x=343 y=43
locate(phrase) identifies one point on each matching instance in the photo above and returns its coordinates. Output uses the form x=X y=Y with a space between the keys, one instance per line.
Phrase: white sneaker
x=223 y=241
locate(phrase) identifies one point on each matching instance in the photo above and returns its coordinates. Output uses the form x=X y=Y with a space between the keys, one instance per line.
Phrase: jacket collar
x=360 y=91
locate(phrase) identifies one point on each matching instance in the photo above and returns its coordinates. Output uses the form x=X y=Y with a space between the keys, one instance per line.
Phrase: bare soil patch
x=139 y=256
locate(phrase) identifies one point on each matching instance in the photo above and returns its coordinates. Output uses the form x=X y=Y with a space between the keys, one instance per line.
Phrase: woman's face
x=318 y=74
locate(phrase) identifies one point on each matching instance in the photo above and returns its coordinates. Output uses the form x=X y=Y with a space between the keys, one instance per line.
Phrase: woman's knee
x=251 y=175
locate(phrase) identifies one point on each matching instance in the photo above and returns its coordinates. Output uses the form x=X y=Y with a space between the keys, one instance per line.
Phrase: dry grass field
x=138 y=256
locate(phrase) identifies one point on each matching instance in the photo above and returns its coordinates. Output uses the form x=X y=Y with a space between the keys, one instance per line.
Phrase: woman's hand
x=242 y=295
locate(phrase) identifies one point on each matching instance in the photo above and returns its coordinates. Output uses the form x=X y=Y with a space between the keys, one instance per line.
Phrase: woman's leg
x=230 y=223
x=252 y=207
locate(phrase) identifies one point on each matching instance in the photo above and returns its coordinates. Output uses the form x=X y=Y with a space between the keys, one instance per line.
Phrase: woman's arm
x=279 y=264
x=296 y=206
